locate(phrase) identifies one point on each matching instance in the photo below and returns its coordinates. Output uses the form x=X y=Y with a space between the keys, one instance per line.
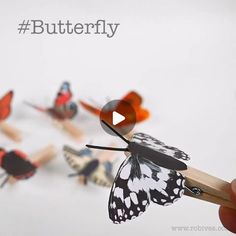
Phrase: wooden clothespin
x=70 y=128
x=43 y=156
x=206 y=187
x=10 y=131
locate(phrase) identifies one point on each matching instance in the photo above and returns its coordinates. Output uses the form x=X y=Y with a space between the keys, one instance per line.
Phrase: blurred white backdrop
x=180 y=55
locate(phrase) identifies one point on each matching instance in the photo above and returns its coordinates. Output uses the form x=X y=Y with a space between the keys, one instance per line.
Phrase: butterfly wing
x=67 y=111
x=16 y=164
x=64 y=95
x=165 y=186
x=127 y=198
x=94 y=110
x=133 y=98
x=102 y=177
x=71 y=110
x=5 y=105
x=149 y=141
x=108 y=166
x=137 y=183
x=76 y=161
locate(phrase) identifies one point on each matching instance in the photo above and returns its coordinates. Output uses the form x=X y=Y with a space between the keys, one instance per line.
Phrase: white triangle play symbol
x=117 y=118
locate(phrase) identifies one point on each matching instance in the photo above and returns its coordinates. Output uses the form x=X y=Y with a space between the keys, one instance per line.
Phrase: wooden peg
x=43 y=156
x=10 y=131
x=213 y=189
x=70 y=128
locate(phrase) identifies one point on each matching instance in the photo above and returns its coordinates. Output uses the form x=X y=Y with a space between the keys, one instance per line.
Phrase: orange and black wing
x=64 y=95
x=133 y=98
x=5 y=105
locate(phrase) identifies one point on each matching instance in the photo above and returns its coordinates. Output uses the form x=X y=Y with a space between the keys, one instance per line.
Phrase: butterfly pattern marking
x=159 y=146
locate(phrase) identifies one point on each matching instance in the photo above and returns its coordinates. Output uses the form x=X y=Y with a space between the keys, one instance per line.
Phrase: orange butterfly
x=5 y=105
x=133 y=98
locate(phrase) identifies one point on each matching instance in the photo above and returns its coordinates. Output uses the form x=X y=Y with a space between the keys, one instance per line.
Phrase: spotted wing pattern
x=139 y=182
x=159 y=146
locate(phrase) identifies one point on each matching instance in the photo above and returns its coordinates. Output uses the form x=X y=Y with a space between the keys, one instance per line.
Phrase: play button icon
x=117 y=118
x=120 y=115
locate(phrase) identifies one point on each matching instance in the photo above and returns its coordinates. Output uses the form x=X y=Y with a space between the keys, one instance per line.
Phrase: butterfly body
x=88 y=167
x=67 y=111
x=16 y=164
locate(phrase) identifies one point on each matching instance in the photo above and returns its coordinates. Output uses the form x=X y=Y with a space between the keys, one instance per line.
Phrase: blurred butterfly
x=148 y=174
x=133 y=98
x=5 y=105
x=63 y=107
x=88 y=167
x=16 y=164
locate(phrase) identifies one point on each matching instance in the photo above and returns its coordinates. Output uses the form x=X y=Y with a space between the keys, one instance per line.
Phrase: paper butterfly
x=88 y=167
x=133 y=98
x=63 y=107
x=148 y=174
x=16 y=164
x=5 y=105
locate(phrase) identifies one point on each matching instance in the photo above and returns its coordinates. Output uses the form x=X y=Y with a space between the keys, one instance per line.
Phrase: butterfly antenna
x=5 y=181
x=107 y=148
x=116 y=132
x=73 y=175
x=34 y=106
x=95 y=103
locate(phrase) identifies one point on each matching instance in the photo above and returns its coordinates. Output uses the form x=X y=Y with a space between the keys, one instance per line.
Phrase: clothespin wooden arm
x=10 y=131
x=40 y=158
x=70 y=128
x=45 y=155
x=213 y=189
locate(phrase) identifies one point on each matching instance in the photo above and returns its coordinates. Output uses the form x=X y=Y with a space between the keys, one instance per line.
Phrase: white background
x=180 y=55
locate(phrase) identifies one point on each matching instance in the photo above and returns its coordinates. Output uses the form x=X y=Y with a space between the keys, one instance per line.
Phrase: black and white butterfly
x=148 y=174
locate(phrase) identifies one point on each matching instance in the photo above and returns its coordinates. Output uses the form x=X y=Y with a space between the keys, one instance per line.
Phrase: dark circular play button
x=120 y=115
